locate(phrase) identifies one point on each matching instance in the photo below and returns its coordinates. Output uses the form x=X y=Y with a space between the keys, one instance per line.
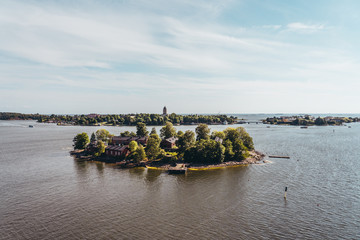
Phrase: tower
x=164 y=111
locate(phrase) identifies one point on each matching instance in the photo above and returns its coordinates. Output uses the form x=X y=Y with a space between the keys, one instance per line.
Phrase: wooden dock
x=179 y=169
x=279 y=157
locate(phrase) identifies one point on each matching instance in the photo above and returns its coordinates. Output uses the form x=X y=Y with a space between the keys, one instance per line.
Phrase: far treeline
x=20 y=116
x=310 y=120
x=121 y=119
x=199 y=147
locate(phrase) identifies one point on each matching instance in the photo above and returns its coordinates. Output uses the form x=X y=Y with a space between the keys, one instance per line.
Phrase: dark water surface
x=45 y=194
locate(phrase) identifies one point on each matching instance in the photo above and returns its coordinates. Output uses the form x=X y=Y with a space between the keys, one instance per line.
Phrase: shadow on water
x=81 y=168
x=100 y=168
x=138 y=171
x=152 y=175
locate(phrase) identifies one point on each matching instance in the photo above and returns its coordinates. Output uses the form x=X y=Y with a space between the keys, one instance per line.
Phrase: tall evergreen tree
x=93 y=137
x=153 y=131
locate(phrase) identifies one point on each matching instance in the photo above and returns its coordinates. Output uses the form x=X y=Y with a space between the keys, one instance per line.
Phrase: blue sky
x=244 y=56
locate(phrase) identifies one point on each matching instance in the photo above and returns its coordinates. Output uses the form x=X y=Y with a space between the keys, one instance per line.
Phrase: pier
x=178 y=169
x=287 y=157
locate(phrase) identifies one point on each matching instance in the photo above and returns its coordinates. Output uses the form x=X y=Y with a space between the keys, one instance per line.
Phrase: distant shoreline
x=308 y=120
x=95 y=119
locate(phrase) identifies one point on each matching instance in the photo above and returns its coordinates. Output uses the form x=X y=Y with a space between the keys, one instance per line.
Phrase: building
x=118 y=140
x=91 y=147
x=164 y=111
x=93 y=115
x=112 y=150
x=142 y=140
x=120 y=145
x=169 y=143
x=217 y=139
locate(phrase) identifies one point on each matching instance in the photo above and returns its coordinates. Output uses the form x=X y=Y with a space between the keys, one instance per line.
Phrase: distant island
x=199 y=149
x=308 y=120
x=94 y=119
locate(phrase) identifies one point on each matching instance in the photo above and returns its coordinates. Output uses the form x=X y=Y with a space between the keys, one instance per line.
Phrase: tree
x=141 y=130
x=232 y=134
x=229 y=153
x=153 y=131
x=93 y=138
x=202 y=132
x=205 y=151
x=240 y=151
x=168 y=131
x=81 y=140
x=246 y=139
x=320 y=121
x=137 y=152
x=296 y=122
x=140 y=154
x=125 y=134
x=179 y=133
x=103 y=135
x=240 y=141
x=219 y=153
x=133 y=146
x=153 y=146
x=186 y=141
x=99 y=148
x=220 y=135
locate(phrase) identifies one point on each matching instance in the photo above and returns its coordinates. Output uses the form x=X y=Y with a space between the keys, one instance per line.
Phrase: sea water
x=46 y=194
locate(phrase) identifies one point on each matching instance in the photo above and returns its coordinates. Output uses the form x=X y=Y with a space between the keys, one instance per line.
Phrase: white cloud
x=275 y=27
x=147 y=56
x=307 y=28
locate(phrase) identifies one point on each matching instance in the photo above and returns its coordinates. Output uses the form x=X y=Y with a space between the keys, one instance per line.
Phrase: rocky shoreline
x=255 y=158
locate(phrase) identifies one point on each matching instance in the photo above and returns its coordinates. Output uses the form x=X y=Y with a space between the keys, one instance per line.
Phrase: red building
x=142 y=140
x=117 y=140
x=117 y=150
x=169 y=142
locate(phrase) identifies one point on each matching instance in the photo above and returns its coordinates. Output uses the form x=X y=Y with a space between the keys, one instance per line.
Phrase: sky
x=203 y=56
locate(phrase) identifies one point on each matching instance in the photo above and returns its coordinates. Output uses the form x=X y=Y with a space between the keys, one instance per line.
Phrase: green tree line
x=133 y=119
x=307 y=121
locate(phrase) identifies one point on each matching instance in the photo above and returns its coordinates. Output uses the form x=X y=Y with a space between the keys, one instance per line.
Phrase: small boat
x=31 y=126
x=304 y=127
x=349 y=126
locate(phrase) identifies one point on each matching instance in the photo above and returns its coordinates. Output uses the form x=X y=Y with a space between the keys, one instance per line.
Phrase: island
x=95 y=119
x=308 y=120
x=201 y=149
